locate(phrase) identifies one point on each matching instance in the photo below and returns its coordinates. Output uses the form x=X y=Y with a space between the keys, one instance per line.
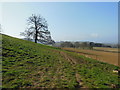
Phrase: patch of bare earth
x=81 y=84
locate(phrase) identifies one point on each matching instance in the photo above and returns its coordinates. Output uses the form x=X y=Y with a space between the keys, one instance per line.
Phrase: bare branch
x=37 y=29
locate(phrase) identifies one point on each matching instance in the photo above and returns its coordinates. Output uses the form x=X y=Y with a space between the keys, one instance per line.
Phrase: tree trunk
x=36 y=37
x=36 y=32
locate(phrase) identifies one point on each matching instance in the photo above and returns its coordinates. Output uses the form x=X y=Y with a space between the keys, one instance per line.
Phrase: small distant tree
x=91 y=45
x=77 y=44
x=67 y=44
x=118 y=45
x=84 y=44
x=37 y=30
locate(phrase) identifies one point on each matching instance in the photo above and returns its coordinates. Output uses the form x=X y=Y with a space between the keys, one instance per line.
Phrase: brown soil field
x=108 y=57
x=106 y=49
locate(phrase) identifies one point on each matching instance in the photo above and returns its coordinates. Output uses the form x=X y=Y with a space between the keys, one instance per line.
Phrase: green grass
x=96 y=74
x=26 y=64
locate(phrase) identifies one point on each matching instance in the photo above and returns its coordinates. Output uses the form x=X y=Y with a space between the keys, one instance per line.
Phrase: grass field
x=26 y=64
x=109 y=57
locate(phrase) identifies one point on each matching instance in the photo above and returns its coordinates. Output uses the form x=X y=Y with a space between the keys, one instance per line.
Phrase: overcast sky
x=71 y=21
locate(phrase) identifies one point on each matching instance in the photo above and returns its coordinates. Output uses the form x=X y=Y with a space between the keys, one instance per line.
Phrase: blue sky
x=71 y=21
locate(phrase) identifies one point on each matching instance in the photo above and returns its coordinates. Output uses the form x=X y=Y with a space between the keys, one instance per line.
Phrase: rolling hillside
x=26 y=64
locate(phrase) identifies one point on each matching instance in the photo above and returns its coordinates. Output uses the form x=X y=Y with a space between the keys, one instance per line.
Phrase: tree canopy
x=37 y=30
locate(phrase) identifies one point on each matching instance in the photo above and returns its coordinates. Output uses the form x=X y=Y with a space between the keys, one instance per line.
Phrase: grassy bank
x=26 y=64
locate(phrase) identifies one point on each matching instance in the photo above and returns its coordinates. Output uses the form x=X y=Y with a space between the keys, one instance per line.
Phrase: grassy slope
x=26 y=64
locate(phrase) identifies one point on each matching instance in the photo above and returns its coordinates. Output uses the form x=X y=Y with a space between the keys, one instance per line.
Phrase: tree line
x=83 y=45
x=76 y=45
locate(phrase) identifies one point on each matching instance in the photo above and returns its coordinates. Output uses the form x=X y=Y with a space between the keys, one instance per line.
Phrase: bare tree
x=37 y=29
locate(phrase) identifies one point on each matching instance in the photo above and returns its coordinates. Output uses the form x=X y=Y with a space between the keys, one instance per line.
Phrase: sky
x=68 y=21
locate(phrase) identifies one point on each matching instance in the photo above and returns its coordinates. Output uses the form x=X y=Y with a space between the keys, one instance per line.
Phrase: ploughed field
x=107 y=49
x=108 y=55
x=26 y=64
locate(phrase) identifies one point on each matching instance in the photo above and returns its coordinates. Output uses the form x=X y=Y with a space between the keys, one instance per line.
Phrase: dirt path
x=70 y=59
x=73 y=62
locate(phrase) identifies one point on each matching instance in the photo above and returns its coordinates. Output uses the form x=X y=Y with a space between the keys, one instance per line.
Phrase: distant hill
x=26 y=64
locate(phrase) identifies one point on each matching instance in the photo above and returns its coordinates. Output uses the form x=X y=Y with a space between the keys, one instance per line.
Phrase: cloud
x=94 y=35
